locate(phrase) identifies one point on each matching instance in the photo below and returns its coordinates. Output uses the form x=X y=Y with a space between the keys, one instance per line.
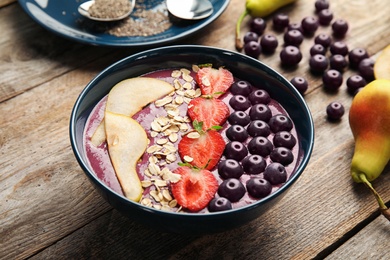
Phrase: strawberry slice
x=209 y=110
x=202 y=149
x=211 y=80
x=195 y=189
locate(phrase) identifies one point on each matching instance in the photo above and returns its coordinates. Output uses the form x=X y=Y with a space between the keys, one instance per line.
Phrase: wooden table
x=49 y=209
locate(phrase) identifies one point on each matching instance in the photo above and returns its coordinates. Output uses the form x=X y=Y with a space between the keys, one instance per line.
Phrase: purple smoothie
x=100 y=162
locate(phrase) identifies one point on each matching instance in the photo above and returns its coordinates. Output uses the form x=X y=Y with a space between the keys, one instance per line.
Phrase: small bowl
x=242 y=67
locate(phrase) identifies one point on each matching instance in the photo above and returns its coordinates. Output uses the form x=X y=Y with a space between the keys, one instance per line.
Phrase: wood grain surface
x=49 y=209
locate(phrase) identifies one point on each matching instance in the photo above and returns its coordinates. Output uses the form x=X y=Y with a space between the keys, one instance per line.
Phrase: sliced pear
x=99 y=136
x=382 y=64
x=127 y=141
x=130 y=96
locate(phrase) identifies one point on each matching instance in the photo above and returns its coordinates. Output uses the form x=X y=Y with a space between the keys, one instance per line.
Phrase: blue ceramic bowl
x=242 y=67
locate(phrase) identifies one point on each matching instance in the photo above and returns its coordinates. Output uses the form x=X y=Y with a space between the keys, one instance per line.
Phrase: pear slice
x=127 y=141
x=129 y=96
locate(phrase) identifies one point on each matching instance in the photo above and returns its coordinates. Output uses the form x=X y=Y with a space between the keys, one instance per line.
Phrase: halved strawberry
x=195 y=189
x=212 y=80
x=209 y=110
x=203 y=148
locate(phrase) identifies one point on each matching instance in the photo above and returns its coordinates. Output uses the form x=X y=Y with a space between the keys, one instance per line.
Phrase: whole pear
x=369 y=119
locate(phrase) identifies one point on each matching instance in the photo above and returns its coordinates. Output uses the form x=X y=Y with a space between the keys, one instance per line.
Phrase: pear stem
x=239 y=44
x=382 y=207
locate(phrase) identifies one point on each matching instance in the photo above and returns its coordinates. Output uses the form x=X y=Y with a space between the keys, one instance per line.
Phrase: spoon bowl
x=84 y=11
x=190 y=9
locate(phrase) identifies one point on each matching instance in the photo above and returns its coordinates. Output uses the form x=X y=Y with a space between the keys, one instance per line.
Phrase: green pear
x=369 y=119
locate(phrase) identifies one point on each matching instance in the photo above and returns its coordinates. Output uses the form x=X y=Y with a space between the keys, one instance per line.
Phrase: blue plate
x=62 y=17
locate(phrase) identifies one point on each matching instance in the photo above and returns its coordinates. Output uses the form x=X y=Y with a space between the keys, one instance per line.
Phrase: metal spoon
x=190 y=9
x=84 y=11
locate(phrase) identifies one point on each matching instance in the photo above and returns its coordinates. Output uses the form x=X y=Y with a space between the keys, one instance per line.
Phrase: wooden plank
x=6 y=2
x=370 y=243
x=32 y=55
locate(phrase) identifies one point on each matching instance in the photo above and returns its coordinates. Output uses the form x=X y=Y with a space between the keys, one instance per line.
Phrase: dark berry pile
x=329 y=55
x=260 y=145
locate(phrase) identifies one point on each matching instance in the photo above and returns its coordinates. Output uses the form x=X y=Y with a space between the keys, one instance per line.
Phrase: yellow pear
x=127 y=141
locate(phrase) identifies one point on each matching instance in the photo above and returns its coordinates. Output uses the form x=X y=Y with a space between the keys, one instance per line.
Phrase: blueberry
x=335 y=110
x=239 y=118
x=280 y=21
x=254 y=164
x=338 y=62
x=258 y=25
x=338 y=47
x=235 y=150
x=232 y=189
x=282 y=155
x=237 y=133
x=293 y=37
x=290 y=56
x=317 y=49
x=355 y=56
x=258 y=187
x=230 y=168
x=340 y=28
x=258 y=128
x=300 y=84
x=239 y=103
x=252 y=49
x=259 y=96
x=241 y=87
x=309 y=25
x=366 y=69
x=295 y=26
x=284 y=139
x=260 y=145
x=279 y=123
x=318 y=63
x=354 y=83
x=251 y=36
x=323 y=39
x=275 y=173
x=219 y=204
x=321 y=5
x=332 y=79
x=268 y=43
x=260 y=112
x=325 y=17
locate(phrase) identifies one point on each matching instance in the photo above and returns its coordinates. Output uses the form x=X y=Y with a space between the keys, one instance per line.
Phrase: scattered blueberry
x=268 y=43
x=280 y=21
x=335 y=110
x=300 y=84
x=332 y=79
x=354 y=83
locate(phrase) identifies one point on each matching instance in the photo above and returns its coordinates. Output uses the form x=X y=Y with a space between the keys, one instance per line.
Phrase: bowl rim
x=186 y=48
